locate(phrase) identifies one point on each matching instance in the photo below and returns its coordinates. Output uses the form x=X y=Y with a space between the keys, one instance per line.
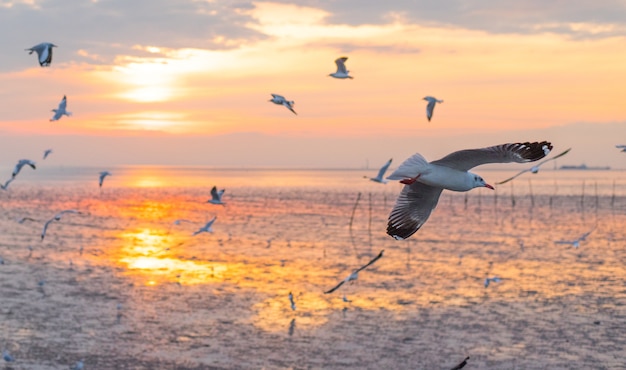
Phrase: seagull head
x=478 y=182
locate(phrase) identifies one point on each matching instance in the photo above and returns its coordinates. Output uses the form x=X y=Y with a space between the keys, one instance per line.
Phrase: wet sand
x=144 y=294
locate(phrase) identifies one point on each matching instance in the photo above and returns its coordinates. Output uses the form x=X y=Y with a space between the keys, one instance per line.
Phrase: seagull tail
x=410 y=168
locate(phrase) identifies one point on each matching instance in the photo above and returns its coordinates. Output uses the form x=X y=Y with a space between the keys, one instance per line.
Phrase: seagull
x=355 y=274
x=79 y=365
x=293 y=304
x=60 y=111
x=56 y=217
x=46 y=153
x=292 y=326
x=5 y=186
x=280 y=100
x=7 y=356
x=44 y=53
x=103 y=174
x=21 y=163
x=534 y=169
x=461 y=365
x=342 y=72
x=24 y=219
x=379 y=178
x=431 y=106
x=622 y=147
x=216 y=196
x=425 y=181
x=576 y=242
x=494 y=279
x=206 y=228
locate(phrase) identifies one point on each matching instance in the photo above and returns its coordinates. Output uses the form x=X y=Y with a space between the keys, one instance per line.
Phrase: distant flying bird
x=534 y=169
x=216 y=196
x=79 y=365
x=24 y=219
x=494 y=279
x=430 y=107
x=44 y=53
x=622 y=147
x=576 y=242
x=7 y=356
x=355 y=274
x=56 y=217
x=342 y=72
x=46 y=153
x=103 y=174
x=293 y=304
x=381 y=173
x=21 y=163
x=206 y=228
x=280 y=100
x=461 y=365
x=61 y=110
x=425 y=181
x=5 y=186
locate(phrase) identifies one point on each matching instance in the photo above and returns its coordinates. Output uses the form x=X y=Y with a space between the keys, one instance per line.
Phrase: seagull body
x=7 y=356
x=342 y=72
x=216 y=196
x=355 y=274
x=61 y=110
x=430 y=107
x=21 y=163
x=293 y=304
x=535 y=168
x=381 y=173
x=44 y=53
x=206 y=228
x=56 y=217
x=103 y=174
x=280 y=100
x=5 y=186
x=425 y=181
x=576 y=242
x=46 y=153
x=494 y=279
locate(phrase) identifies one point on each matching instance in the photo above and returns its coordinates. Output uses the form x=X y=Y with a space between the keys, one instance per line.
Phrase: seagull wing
x=60 y=214
x=341 y=65
x=563 y=242
x=464 y=160
x=537 y=166
x=461 y=365
x=371 y=262
x=45 y=55
x=278 y=97
x=412 y=209
x=63 y=104
x=45 y=227
x=335 y=287
x=288 y=106
x=384 y=169
x=430 y=107
x=513 y=177
x=214 y=194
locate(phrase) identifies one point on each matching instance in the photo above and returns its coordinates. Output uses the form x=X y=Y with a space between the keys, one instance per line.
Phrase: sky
x=188 y=82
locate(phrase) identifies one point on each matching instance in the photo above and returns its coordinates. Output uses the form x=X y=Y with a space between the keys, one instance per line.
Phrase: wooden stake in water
x=465 y=202
x=358 y=197
x=582 y=202
x=595 y=186
x=369 y=227
x=512 y=195
x=613 y=197
x=532 y=197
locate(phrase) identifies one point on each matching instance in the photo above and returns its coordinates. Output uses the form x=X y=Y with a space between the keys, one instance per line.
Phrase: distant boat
x=585 y=167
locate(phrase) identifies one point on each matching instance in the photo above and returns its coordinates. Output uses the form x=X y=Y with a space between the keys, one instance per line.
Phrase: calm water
x=124 y=287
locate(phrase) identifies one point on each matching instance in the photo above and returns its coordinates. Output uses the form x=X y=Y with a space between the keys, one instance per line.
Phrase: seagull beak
x=490 y=187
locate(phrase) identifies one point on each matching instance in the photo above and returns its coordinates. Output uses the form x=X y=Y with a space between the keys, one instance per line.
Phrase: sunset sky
x=188 y=82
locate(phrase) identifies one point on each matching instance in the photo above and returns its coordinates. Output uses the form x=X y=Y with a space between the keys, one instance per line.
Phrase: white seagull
x=355 y=274
x=103 y=174
x=206 y=228
x=494 y=279
x=425 y=181
x=46 y=153
x=216 y=196
x=61 y=110
x=5 y=186
x=342 y=72
x=56 y=217
x=430 y=107
x=576 y=242
x=534 y=169
x=622 y=147
x=21 y=163
x=44 y=53
x=293 y=304
x=381 y=173
x=280 y=100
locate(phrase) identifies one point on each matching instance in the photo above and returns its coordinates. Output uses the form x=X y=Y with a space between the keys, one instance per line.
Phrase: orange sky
x=489 y=81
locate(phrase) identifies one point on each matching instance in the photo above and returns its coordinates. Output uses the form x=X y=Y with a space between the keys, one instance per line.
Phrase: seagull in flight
x=79 y=365
x=46 y=153
x=461 y=364
x=381 y=173
x=44 y=53
x=494 y=279
x=216 y=196
x=425 y=181
x=576 y=242
x=280 y=100
x=293 y=304
x=21 y=163
x=430 y=107
x=355 y=274
x=534 y=169
x=7 y=356
x=24 y=219
x=5 y=186
x=56 y=217
x=103 y=174
x=61 y=110
x=342 y=72
x=206 y=228
x=622 y=147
